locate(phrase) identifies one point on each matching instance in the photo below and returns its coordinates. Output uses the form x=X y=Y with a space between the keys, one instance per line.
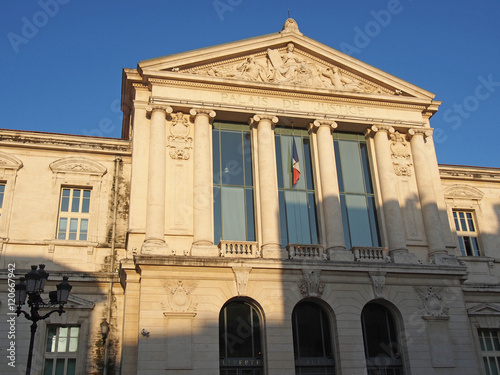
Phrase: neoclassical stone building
x=273 y=207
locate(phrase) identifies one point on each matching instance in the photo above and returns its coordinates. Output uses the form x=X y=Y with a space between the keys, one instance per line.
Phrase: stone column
x=155 y=210
x=268 y=186
x=390 y=201
x=427 y=195
x=332 y=212
x=203 y=243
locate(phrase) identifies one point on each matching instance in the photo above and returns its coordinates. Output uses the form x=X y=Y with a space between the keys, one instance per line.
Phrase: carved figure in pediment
x=283 y=68
x=252 y=70
x=339 y=81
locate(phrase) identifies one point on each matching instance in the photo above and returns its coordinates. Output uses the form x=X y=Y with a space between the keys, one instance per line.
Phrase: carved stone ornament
x=78 y=165
x=10 y=162
x=311 y=287
x=400 y=153
x=378 y=284
x=179 y=141
x=179 y=296
x=432 y=301
x=290 y=66
x=241 y=275
x=463 y=192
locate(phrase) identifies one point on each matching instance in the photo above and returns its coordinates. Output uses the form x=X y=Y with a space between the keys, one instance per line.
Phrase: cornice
x=271 y=91
x=73 y=143
x=452 y=172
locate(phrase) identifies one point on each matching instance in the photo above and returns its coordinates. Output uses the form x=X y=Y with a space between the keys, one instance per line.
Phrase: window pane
x=457 y=223
x=217 y=215
x=73 y=227
x=73 y=339
x=470 y=222
x=86 y=201
x=59 y=367
x=71 y=369
x=233 y=213
x=216 y=156
x=51 y=339
x=62 y=343
x=65 y=200
x=297 y=217
x=84 y=224
x=339 y=165
x=231 y=158
x=279 y=166
x=75 y=205
x=250 y=218
x=312 y=218
x=283 y=224
x=366 y=167
x=345 y=222
x=357 y=213
x=308 y=164
x=352 y=172
x=247 y=158
x=47 y=369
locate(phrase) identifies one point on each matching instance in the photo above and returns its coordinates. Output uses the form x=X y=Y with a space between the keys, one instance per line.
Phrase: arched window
x=312 y=342
x=382 y=349
x=240 y=343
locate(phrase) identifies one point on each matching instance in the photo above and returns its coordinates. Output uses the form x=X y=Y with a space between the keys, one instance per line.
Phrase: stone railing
x=301 y=251
x=370 y=254
x=243 y=249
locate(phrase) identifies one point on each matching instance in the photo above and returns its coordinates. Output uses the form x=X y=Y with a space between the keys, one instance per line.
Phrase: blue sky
x=62 y=60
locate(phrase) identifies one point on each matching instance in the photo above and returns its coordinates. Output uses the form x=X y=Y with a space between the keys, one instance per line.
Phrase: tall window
x=490 y=349
x=233 y=183
x=61 y=350
x=466 y=232
x=382 y=349
x=2 y=193
x=74 y=213
x=240 y=344
x=298 y=217
x=356 y=191
x=312 y=343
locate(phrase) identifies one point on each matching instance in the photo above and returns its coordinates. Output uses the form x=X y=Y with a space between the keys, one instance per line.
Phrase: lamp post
x=32 y=285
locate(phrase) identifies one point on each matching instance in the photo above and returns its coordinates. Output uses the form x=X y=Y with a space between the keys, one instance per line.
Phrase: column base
x=340 y=254
x=154 y=247
x=403 y=257
x=443 y=259
x=273 y=251
x=204 y=250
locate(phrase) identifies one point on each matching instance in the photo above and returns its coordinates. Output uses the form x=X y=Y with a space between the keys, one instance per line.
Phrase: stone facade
x=148 y=262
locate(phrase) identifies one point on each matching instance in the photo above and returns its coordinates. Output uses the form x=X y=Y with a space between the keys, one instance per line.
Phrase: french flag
x=295 y=163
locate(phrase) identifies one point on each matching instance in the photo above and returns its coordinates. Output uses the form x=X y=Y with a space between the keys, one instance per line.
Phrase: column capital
x=151 y=107
x=316 y=124
x=265 y=116
x=426 y=132
x=382 y=127
x=210 y=113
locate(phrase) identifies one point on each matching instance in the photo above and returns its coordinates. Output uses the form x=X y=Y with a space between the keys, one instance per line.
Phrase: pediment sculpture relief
x=291 y=67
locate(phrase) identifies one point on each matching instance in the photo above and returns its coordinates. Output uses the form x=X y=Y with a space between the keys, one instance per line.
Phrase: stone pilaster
x=154 y=242
x=390 y=201
x=268 y=186
x=203 y=244
x=334 y=236
x=428 y=199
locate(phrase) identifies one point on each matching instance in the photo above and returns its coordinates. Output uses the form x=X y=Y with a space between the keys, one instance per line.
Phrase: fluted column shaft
x=389 y=190
x=155 y=211
x=269 y=201
x=426 y=193
x=202 y=178
x=332 y=211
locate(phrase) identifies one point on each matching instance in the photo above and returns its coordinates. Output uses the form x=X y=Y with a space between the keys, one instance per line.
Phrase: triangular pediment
x=484 y=309
x=288 y=60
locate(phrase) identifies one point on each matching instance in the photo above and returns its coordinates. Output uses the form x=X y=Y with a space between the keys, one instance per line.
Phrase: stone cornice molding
x=10 y=162
x=355 y=99
x=425 y=132
x=316 y=124
x=78 y=165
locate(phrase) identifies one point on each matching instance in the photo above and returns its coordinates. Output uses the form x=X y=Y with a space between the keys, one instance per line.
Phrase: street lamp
x=32 y=285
